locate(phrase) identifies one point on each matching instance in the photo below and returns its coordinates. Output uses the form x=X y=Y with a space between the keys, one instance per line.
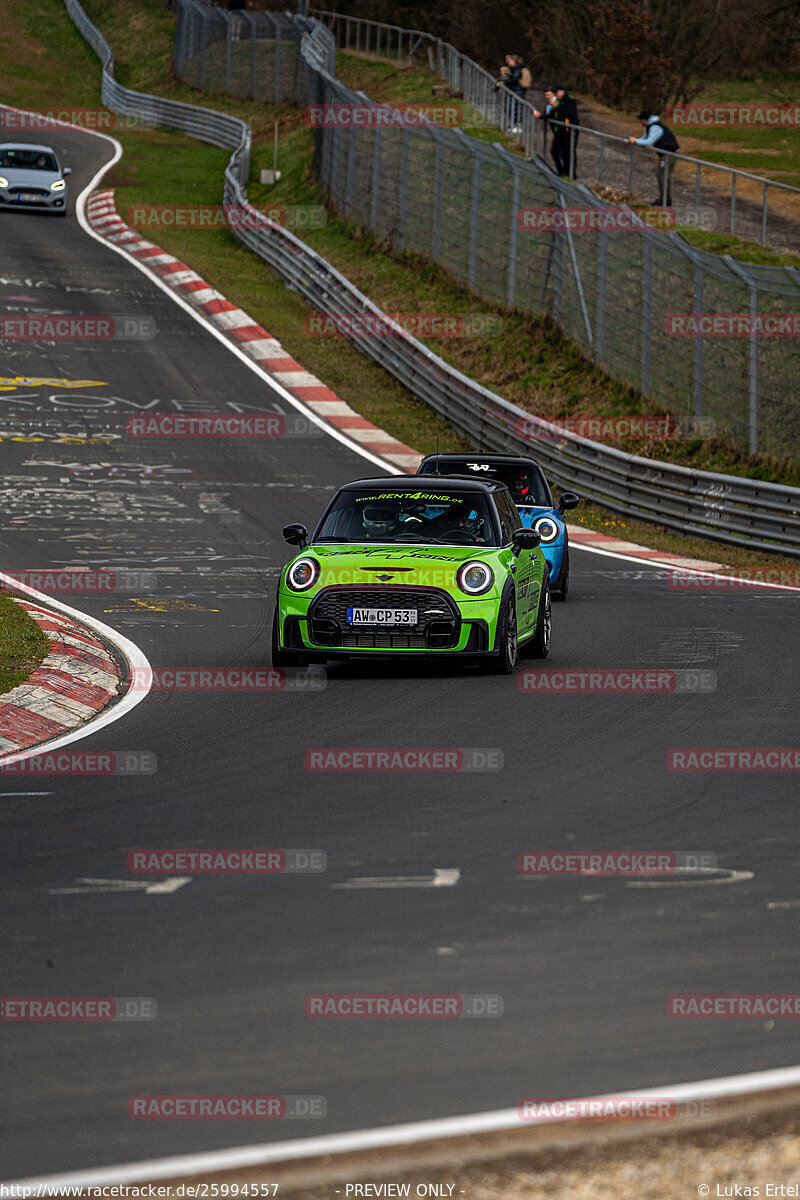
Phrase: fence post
x=438 y=184
x=647 y=312
x=600 y=299
x=278 y=49
x=376 y=179
x=203 y=49
x=251 y=19
x=474 y=220
x=699 y=365
x=752 y=353
x=513 y=237
x=351 y=169
x=576 y=270
x=401 y=216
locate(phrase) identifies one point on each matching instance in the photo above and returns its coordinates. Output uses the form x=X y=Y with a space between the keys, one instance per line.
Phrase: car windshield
x=452 y=518
x=526 y=484
x=27 y=160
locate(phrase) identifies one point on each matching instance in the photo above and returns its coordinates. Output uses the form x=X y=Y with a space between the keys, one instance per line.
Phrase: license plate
x=28 y=197
x=381 y=616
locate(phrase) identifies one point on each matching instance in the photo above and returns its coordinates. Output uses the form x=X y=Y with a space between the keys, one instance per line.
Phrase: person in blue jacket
x=658 y=136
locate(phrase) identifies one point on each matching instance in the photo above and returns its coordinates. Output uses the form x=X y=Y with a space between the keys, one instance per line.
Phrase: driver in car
x=462 y=523
x=379 y=521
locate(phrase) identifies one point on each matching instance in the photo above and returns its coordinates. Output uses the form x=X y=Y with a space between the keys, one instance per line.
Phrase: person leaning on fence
x=567 y=134
x=658 y=136
x=550 y=114
x=511 y=75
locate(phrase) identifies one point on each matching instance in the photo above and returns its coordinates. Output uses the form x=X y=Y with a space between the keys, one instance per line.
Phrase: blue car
x=525 y=480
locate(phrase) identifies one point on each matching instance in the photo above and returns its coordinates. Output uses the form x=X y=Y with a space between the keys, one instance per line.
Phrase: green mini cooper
x=410 y=565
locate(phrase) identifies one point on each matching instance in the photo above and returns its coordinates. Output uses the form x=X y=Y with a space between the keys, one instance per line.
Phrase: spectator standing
x=550 y=114
x=567 y=134
x=237 y=24
x=658 y=136
x=511 y=79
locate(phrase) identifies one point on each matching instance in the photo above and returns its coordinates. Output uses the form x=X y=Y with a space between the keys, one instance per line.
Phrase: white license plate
x=29 y=196
x=381 y=616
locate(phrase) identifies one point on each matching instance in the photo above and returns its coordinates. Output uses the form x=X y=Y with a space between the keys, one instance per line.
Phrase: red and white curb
x=75 y=680
x=247 y=334
x=592 y=539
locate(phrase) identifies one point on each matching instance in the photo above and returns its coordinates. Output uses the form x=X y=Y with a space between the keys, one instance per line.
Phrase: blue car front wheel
x=561 y=588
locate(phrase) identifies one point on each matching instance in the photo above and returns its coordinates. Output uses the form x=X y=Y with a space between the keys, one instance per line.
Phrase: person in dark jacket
x=511 y=78
x=658 y=136
x=550 y=114
x=566 y=135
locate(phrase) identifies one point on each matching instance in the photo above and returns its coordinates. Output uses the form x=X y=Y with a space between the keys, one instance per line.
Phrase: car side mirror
x=568 y=500
x=525 y=539
x=296 y=535
x=66 y=171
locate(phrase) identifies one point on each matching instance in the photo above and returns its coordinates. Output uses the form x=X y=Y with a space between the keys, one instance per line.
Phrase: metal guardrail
x=613 y=155
x=727 y=508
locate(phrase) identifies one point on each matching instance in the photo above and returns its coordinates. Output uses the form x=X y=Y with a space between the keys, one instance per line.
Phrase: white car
x=31 y=178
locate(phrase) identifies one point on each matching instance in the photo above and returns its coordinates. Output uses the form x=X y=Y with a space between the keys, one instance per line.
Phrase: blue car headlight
x=58 y=186
x=547 y=528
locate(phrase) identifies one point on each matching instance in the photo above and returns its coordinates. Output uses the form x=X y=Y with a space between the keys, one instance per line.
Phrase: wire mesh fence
x=249 y=55
x=712 y=340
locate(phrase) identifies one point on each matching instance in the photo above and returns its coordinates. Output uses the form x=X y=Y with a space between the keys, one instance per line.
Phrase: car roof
x=432 y=483
x=472 y=456
x=26 y=146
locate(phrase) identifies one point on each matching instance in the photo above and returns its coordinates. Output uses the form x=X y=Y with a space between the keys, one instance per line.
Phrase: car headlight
x=475 y=578
x=3 y=181
x=302 y=574
x=58 y=186
x=547 y=529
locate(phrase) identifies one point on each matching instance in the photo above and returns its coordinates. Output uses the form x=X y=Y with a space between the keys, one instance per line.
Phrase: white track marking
x=164 y=887
x=441 y=877
x=394 y=1135
x=710 y=875
x=665 y=566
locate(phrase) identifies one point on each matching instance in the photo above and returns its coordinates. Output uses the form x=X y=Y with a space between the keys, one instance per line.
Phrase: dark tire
x=280 y=658
x=504 y=660
x=560 y=593
x=539 y=645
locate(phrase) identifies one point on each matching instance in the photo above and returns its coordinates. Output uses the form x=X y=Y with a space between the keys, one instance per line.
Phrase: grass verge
x=22 y=644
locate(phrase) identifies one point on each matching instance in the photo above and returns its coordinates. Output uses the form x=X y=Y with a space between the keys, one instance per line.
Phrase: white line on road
x=394 y=1135
x=708 y=875
x=162 y=887
x=441 y=877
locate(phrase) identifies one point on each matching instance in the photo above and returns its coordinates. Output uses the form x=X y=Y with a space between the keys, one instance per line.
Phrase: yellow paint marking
x=159 y=604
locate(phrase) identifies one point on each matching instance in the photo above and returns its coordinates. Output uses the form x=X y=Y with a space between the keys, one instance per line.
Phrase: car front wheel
x=563 y=584
x=539 y=645
x=504 y=660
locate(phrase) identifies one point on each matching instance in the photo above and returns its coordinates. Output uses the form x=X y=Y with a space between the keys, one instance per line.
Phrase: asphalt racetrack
x=584 y=965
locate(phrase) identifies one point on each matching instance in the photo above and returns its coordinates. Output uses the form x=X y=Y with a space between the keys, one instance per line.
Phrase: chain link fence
x=522 y=238
x=249 y=55
x=707 y=195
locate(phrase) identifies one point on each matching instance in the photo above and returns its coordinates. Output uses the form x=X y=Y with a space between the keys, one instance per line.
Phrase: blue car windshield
x=526 y=484
x=453 y=518
x=27 y=160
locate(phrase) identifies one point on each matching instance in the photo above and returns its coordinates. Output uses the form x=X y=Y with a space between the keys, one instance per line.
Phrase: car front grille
x=28 y=191
x=437 y=628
